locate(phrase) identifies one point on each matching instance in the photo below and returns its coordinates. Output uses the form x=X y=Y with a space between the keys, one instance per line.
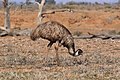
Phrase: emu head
x=75 y=53
x=78 y=52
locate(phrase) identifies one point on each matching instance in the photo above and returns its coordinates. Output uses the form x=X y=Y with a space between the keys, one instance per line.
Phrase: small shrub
x=118 y=33
x=108 y=6
x=77 y=33
x=50 y=6
x=112 y=32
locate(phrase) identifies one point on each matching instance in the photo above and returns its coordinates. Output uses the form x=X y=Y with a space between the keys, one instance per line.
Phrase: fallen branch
x=4 y=33
x=115 y=37
x=2 y=28
x=101 y=36
x=84 y=37
x=54 y=11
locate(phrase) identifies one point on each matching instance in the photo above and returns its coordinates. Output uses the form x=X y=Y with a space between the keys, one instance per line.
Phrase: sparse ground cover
x=23 y=59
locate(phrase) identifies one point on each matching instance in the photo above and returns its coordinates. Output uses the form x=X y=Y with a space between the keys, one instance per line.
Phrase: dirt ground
x=23 y=59
x=94 y=21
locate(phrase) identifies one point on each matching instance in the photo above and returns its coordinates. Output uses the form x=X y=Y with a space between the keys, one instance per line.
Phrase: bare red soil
x=83 y=21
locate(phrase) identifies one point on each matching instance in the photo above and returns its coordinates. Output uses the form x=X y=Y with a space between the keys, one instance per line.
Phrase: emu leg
x=46 y=56
x=48 y=49
x=50 y=44
x=57 y=56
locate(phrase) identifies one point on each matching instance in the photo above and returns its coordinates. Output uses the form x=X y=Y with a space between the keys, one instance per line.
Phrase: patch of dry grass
x=25 y=61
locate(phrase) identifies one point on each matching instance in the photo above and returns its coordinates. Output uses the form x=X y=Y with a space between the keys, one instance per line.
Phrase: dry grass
x=23 y=59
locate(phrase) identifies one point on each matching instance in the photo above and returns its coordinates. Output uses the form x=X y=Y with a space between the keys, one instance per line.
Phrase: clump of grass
x=118 y=33
x=77 y=33
x=112 y=32
x=108 y=6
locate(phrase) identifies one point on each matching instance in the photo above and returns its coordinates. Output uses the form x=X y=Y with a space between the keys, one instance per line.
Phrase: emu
x=56 y=33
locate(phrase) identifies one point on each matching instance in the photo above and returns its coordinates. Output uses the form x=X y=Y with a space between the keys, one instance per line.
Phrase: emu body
x=56 y=32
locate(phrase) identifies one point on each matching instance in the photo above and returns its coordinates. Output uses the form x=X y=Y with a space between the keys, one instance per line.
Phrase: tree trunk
x=40 y=10
x=7 y=17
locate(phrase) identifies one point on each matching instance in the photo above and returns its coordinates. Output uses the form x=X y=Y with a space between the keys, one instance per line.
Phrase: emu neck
x=71 y=51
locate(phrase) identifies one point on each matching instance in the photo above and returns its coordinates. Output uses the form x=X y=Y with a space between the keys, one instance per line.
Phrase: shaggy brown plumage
x=56 y=32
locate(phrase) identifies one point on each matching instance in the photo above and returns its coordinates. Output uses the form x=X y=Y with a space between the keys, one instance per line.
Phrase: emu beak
x=80 y=52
